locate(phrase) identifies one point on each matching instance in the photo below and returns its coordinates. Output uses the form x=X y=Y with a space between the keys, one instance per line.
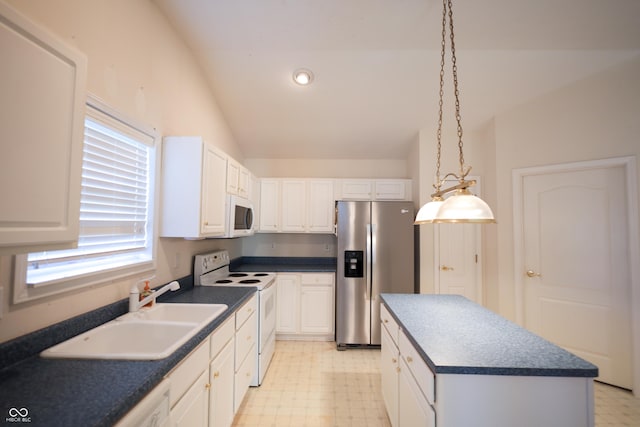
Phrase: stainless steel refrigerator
x=375 y=255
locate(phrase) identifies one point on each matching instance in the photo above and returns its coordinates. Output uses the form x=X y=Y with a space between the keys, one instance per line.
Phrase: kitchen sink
x=148 y=334
x=192 y=313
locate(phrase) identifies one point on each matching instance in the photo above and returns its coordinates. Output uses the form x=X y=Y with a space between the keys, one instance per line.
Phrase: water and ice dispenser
x=353 y=263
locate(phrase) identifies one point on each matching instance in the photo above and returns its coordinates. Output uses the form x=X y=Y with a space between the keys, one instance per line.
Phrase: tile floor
x=313 y=384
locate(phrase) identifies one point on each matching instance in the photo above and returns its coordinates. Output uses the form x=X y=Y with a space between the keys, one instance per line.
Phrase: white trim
x=23 y=293
x=478 y=239
x=629 y=164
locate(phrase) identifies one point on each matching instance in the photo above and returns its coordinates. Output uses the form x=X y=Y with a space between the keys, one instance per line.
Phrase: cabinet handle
x=249 y=337
x=409 y=359
x=206 y=223
x=386 y=320
x=207 y=386
x=216 y=374
x=398 y=369
x=393 y=359
x=445 y=268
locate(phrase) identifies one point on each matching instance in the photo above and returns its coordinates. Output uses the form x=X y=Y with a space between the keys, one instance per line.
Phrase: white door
x=457 y=256
x=458 y=267
x=575 y=275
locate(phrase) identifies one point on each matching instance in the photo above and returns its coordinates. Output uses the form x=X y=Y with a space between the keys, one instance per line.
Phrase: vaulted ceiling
x=376 y=64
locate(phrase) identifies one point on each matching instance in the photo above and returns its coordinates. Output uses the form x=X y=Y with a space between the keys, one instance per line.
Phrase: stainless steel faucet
x=134 y=296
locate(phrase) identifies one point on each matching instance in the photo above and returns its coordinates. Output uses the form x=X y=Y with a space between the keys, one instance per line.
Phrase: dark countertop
x=68 y=392
x=456 y=336
x=284 y=264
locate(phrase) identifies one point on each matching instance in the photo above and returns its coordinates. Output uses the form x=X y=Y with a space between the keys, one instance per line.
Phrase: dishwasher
x=151 y=411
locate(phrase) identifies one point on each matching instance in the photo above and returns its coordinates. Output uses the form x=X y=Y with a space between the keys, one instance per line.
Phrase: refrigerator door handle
x=369 y=263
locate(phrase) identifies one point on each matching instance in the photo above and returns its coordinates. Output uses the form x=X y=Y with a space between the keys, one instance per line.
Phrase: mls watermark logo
x=18 y=415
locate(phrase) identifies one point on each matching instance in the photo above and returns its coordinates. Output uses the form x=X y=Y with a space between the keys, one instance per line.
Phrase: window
x=116 y=212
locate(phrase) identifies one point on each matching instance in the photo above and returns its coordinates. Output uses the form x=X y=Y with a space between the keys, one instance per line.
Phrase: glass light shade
x=464 y=207
x=428 y=211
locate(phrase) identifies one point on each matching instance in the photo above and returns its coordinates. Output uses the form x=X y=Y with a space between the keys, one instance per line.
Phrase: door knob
x=531 y=273
x=445 y=268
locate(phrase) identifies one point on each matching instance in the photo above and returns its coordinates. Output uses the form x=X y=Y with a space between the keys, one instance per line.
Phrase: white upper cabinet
x=296 y=205
x=374 y=189
x=294 y=198
x=392 y=189
x=42 y=82
x=356 y=189
x=238 y=179
x=194 y=188
x=269 y=205
x=320 y=206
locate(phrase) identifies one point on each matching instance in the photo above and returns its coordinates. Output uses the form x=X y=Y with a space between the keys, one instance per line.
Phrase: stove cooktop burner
x=261 y=274
x=224 y=281
x=248 y=281
x=238 y=275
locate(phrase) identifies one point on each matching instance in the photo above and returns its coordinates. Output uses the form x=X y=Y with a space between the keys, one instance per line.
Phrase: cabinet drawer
x=316 y=279
x=221 y=337
x=188 y=371
x=243 y=380
x=389 y=323
x=245 y=340
x=245 y=311
x=421 y=372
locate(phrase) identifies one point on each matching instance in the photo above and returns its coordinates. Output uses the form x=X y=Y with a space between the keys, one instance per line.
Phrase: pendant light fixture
x=462 y=206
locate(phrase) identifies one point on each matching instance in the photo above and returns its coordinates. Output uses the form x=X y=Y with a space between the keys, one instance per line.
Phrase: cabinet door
x=320 y=206
x=193 y=409
x=270 y=205
x=243 y=378
x=391 y=189
x=413 y=408
x=244 y=183
x=287 y=286
x=293 y=206
x=389 y=358
x=357 y=189
x=221 y=378
x=41 y=136
x=213 y=192
x=316 y=309
x=233 y=176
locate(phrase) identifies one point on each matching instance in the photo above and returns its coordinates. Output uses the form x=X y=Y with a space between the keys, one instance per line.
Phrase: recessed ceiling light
x=302 y=77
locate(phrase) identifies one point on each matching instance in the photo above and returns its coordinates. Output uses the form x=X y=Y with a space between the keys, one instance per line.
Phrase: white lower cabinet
x=415 y=396
x=389 y=356
x=221 y=395
x=207 y=387
x=405 y=378
x=305 y=305
x=413 y=408
x=193 y=408
x=246 y=352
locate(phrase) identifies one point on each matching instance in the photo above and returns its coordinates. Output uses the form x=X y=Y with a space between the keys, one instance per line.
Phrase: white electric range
x=212 y=269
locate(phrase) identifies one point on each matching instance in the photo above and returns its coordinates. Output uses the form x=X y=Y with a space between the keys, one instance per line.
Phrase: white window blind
x=116 y=208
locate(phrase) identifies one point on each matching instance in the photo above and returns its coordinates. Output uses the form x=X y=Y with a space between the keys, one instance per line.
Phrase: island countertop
x=457 y=336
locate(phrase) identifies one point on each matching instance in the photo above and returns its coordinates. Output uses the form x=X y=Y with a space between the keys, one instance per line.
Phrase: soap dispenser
x=146 y=292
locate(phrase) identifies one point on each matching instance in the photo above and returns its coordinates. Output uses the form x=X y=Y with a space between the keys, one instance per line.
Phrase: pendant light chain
x=456 y=92
x=443 y=43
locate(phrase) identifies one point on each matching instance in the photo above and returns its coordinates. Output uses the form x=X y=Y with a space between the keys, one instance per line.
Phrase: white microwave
x=239 y=217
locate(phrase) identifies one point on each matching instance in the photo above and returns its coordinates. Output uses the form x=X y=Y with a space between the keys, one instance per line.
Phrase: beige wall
x=596 y=118
x=139 y=67
x=328 y=168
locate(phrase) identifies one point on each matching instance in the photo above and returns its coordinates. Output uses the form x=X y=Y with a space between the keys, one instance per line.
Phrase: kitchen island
x=449 y=362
